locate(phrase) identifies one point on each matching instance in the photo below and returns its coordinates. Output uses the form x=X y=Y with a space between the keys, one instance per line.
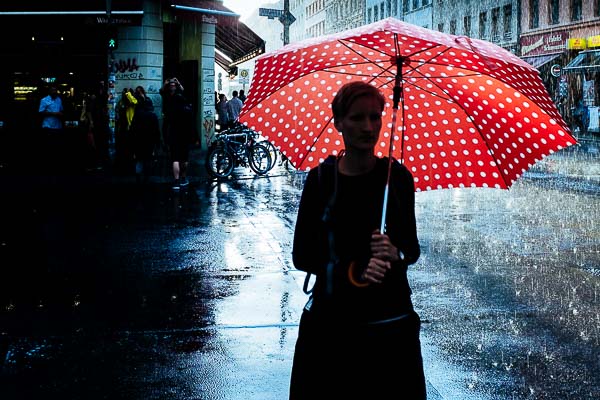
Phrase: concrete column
x=207 y=67
x=198 y=43
x=138 y=60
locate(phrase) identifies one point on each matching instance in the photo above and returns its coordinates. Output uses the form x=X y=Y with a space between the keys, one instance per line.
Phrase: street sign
x=270 y=13
x=287 y=18
x=555 y=70
x=244 y=76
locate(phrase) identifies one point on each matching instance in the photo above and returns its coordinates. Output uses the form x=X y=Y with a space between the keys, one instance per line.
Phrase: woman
x=359 y=333
x=222 y=113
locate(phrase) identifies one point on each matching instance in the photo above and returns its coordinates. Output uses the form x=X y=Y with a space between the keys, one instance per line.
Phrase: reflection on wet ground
x=117 y=291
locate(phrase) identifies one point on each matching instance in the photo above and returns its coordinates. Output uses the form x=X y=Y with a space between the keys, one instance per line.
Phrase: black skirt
x=338 y=360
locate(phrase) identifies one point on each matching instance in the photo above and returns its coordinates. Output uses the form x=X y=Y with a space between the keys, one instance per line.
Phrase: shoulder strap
x=327 y=173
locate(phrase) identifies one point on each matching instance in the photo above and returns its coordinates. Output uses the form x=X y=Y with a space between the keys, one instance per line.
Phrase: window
x=495 y=18
x=534 y=13
x=467 y=25
x=369 y=15
x=405 y=4
x=575 y=10
x=381 y=11
x=508 y=22
x=441 y=27
x=395 y=7
x=453 y=27
x=389 y=8
x=482 y=25
x=415 y=4
x=554 y=12
x=376 y=13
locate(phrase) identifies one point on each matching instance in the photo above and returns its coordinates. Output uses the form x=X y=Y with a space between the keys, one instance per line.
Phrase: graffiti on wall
x=126 y=69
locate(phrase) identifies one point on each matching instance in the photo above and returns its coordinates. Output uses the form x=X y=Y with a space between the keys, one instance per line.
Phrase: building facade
x=562 y=39
x=490 y=20
x=418 y=12
x=341 y=15
x=377 y=10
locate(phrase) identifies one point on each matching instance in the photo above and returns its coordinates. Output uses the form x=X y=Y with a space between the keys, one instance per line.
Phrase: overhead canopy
x=539 y=61
x=45 y=7
x=235 y=42
x=586 y=60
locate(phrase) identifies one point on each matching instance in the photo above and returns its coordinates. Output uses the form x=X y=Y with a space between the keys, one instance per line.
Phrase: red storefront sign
x=545 y=43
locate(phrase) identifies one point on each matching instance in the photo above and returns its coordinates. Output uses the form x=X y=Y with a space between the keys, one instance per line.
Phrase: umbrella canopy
x=471 y=113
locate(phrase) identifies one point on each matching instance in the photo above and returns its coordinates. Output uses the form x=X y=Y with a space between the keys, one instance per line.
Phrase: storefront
x=581 y=77
x=78 y=45
x=547 y=52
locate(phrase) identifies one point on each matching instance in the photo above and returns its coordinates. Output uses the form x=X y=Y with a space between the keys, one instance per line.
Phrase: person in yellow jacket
x=125 y=112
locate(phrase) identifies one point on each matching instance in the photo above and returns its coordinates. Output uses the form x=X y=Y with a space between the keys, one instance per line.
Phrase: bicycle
x=237 y=147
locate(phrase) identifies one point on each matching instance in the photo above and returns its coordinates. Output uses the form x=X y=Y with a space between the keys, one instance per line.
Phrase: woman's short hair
x=349 y=93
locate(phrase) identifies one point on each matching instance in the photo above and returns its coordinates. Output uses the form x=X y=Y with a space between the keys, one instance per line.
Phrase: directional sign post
x=284 y=16
x=270 y=13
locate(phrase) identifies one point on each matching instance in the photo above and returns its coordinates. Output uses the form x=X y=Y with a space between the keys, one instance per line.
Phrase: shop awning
x=538 y=61
x=235 y=42
x=69 y=7
x=586 y=60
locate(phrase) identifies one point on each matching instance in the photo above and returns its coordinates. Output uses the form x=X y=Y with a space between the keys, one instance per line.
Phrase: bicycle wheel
x=259 y=159
x=219 y=162
x=272 y=151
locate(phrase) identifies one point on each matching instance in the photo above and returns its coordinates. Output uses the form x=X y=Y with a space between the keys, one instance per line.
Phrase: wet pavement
x=118 y=290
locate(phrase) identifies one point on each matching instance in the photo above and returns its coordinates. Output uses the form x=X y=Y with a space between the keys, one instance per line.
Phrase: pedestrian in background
x=98 y=106
x=234 y=107
x=177 y=129
x=123 y=144
x=53 y=137
x=359 y=334
x=222 y=112
x=242 y=96
x=145 y=134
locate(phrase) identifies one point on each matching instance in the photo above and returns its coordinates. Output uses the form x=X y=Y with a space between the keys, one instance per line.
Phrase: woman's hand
x=375 y=271
x=382 y=248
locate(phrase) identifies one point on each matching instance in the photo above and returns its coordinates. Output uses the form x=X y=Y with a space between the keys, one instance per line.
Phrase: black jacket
x=355 y=214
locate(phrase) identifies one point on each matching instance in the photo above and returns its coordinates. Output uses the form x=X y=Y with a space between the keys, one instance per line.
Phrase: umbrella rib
x=470 y=117
x=314 y=141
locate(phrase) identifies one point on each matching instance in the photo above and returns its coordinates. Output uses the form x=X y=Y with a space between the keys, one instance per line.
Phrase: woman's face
x=361 y=125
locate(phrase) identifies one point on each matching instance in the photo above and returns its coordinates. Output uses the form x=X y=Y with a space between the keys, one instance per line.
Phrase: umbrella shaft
x=384 y=210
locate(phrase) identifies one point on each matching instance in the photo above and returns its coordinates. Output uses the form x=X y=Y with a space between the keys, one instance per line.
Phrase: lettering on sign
x=542 y=44
x=209 y=20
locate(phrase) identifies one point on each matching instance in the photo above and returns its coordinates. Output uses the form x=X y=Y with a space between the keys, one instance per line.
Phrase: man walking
x=51 y=111
x=234 y=106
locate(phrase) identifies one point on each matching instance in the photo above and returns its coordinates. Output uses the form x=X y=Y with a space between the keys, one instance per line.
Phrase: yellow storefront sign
x=593 y=41
x=576 y=44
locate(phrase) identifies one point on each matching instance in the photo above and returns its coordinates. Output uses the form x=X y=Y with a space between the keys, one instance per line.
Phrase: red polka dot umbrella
x=471 y=113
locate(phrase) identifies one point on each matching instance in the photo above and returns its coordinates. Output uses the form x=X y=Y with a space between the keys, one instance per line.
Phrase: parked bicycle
x=234 y=147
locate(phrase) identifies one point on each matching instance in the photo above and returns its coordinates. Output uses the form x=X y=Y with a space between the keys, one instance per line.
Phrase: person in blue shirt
x=234 y=107
x=53 y=141
x=51 y=110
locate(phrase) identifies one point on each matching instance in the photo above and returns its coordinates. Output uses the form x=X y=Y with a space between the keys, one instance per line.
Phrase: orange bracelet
x=351 y=277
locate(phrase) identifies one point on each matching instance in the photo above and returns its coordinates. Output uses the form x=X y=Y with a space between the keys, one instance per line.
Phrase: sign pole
x=284 y=16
